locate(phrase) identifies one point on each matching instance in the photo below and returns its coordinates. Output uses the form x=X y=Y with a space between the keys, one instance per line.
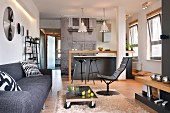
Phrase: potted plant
x=127 y=46
x=132 y=46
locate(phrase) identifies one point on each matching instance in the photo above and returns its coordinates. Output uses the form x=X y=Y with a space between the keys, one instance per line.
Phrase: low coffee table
x=74 y=94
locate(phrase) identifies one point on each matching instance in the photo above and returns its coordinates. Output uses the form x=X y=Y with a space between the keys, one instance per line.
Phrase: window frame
x=151 y=43
x=132 y=24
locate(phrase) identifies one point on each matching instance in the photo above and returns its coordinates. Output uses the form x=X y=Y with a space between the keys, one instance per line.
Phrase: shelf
x=148 y=81
x=150 y=102
x=76 y=30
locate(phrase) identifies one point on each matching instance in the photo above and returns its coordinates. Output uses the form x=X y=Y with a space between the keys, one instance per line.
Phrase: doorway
x=53 y=52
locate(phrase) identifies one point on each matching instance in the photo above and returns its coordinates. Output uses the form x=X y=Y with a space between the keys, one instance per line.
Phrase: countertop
x=94 y=56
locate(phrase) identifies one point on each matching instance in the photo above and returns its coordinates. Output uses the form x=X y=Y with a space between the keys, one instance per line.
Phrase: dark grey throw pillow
x=7 y=83
x=30 y=69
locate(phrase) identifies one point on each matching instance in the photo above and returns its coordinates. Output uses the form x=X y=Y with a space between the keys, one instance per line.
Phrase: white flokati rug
x=104 y=104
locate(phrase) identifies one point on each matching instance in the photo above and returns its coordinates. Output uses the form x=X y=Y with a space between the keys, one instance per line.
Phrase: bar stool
x=91 y=72
x=81 y=61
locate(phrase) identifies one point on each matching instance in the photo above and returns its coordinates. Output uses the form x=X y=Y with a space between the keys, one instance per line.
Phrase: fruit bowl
x=100 y=48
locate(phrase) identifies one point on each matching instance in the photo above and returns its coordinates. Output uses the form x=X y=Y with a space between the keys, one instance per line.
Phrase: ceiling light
x=82 y=27
x=145 y=5
x=104 y=27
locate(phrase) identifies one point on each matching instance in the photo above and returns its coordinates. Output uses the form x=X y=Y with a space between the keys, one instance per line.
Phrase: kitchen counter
x=85 y=51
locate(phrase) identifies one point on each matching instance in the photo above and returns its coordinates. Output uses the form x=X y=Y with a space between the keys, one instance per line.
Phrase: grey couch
x=34 y=91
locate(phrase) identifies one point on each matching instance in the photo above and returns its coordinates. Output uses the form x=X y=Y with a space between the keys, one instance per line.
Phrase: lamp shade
x=104 y=27
x=82 y=27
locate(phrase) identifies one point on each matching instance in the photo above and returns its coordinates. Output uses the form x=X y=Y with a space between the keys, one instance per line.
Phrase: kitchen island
x=89 y=52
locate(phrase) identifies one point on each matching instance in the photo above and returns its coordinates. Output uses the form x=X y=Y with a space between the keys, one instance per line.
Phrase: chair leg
x=81 y=72
x=97 y=67
x=73 y=73
x=108 y=88
x=89 y=71
x=92 y=74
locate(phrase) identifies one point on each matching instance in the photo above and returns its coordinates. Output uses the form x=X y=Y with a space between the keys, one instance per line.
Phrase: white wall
x=147 y=65
x=12 y=51
x=113 y=42
x=56 y=24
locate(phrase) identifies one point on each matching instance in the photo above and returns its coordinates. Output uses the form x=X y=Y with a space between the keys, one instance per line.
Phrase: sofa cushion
x=30 y=69
x=38 y=87
x=7 y=83
x=13 y=69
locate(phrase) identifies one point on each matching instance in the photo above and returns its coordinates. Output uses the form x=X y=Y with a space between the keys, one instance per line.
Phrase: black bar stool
x=91 y=72
x=81 y=61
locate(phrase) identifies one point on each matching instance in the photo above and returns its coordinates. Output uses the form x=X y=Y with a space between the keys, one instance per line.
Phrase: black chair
x=91 y=72
x=81 y=61
x=109 y=79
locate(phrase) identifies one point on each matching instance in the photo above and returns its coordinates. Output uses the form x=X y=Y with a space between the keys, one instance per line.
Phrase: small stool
x=91 y=69
x=81 y=61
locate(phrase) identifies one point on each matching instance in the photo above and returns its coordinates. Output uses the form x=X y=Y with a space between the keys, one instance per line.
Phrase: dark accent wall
x=165 y=42
x=75 y=40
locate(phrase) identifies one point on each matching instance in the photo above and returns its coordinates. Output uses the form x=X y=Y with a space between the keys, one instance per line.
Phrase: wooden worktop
x=94 y=56
x=148 y=81
x=91 y=51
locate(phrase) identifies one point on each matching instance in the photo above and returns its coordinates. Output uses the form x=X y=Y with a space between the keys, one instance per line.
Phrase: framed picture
x=22 y=30
x=28 y=49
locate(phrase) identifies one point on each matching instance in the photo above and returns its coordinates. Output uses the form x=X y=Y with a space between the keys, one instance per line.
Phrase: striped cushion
x=30 y=69
x=7 y=83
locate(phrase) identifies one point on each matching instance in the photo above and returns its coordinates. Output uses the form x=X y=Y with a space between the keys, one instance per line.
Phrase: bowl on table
x=166 y=79
x=159 y=78
x=100 y=48
x=153 y=76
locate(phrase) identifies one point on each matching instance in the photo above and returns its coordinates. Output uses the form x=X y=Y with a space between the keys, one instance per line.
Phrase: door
x=50 y=52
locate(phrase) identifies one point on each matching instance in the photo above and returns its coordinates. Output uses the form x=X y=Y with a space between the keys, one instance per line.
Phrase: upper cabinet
x=74 y=23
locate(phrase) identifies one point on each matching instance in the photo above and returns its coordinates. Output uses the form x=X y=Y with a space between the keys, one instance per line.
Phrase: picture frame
x=22 y=30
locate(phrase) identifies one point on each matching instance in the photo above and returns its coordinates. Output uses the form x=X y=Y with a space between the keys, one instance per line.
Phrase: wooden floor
x=128 y=88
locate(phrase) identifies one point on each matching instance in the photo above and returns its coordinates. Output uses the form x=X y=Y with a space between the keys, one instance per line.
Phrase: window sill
x=154 y=60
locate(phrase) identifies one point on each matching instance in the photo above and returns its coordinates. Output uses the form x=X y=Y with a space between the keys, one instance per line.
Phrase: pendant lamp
x=104 y=27
x=82 y=27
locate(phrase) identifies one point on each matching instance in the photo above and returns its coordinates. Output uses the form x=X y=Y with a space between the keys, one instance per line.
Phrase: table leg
x=69 y=66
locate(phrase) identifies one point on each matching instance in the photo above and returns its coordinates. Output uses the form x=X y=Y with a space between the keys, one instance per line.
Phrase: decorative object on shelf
x=100 y=48
x=127 y=46
x=8 y=21
x=28 y=49
x=82 y=27
x=166 y=79
x=104 y=27
x=22 y=30
x=159 y=78
x=107 y=49
x=18 y=28
x=131 y=46
x=153 y=76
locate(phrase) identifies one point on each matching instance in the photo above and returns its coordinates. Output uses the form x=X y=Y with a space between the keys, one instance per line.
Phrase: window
x=133 y=37
x=154 y=32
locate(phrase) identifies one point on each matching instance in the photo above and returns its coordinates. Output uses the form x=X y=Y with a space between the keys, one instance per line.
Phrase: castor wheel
x=92 y=104
x=67 y=105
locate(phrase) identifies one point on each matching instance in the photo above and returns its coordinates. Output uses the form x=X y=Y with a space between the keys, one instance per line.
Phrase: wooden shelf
x=130 y=51
x=150 y=102
x=148 y=81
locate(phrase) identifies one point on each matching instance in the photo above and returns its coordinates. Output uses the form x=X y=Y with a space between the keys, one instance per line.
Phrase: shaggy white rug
x=104 y=104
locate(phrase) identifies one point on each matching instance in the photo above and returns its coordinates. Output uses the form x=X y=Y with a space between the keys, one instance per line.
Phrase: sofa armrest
x=15 y=102
x=46 y=71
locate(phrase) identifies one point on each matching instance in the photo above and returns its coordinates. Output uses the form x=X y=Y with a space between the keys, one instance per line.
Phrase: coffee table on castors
x=74 y=94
